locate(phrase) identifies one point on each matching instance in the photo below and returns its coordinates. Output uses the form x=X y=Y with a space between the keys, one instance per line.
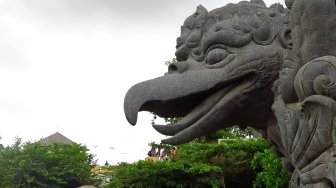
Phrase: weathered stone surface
x=313 y=23
x=246 y=64
x=305 y=95
x=228 y=61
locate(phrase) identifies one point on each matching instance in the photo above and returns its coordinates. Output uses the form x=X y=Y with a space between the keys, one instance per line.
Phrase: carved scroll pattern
x=307 y=126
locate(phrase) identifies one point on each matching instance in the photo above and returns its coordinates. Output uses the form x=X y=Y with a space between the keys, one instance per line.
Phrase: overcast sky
x=65 y=65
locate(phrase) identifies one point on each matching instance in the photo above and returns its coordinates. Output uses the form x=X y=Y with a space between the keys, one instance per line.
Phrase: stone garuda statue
x=272 y=68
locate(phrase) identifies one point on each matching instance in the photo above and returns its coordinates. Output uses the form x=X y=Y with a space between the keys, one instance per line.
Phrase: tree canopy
x=199 y=164
x=35 y=165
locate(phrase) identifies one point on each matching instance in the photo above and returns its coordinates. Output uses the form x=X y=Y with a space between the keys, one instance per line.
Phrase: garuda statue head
x=228 y=59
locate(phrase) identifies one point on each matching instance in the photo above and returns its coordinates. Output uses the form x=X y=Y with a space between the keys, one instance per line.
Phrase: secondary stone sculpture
x=229 y=62
x=305 y=94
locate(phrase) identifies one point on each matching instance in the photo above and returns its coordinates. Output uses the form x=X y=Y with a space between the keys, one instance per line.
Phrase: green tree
x=271 y=173
x=196 y=164
x=233 y=156
x=176 y=173
x=34 y=165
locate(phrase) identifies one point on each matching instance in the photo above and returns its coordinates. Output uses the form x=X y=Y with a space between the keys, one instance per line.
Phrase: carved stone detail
x=227 y=74
x=308 y=127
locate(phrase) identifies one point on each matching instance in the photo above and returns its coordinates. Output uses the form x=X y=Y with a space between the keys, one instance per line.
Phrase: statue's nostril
x=172 y=68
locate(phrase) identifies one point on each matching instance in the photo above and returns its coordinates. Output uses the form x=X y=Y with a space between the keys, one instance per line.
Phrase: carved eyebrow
x=225 y=37
x=222 y=63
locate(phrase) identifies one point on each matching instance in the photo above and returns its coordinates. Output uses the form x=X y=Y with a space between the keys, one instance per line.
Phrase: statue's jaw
x=198 y=112
x=206 y=106
x=214 y=113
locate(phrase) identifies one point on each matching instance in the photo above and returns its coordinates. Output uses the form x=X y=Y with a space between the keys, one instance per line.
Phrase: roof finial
x=57 y=128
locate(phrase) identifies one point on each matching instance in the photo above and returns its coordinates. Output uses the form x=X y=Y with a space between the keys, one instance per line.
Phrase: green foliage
x=34 y=165
x=161 y=146
x=272 y=173
x=233 y=156
x=195 y=165
x=176 y=173
x=230 y=149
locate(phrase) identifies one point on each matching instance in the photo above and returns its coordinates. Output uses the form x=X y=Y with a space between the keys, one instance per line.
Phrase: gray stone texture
x=228 y=59
x=250 y=65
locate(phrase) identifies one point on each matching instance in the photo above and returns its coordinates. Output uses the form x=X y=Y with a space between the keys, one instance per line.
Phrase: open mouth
x=205 y=117
x=209 y=100
x=197 y=113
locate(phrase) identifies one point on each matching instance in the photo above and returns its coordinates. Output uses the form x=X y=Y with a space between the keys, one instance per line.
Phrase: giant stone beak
x=168 y=91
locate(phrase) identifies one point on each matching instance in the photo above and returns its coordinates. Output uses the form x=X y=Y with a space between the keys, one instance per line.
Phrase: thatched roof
x=58 y=138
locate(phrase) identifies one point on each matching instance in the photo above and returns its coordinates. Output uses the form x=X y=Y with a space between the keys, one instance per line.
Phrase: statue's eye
x=216 y=55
